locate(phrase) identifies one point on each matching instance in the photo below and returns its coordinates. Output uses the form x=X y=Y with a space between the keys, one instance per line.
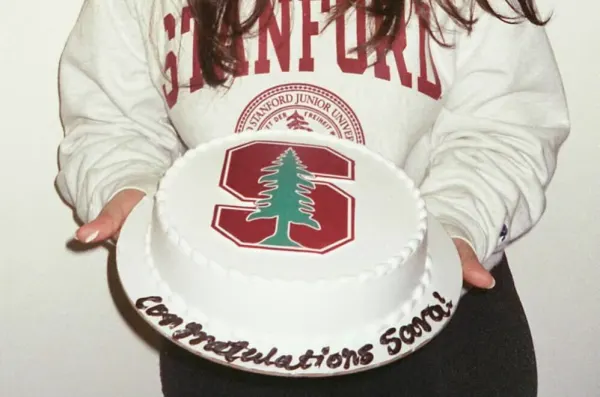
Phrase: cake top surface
x=291 y=205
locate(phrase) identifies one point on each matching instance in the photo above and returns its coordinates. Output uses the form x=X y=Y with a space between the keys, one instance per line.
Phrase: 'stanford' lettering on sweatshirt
x=275 y=31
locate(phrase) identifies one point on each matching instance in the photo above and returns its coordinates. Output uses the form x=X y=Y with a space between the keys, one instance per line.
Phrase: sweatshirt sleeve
x=117 y=132
x=496 y=140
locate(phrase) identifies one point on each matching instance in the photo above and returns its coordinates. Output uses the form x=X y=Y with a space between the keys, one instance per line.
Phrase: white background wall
x=62 y=327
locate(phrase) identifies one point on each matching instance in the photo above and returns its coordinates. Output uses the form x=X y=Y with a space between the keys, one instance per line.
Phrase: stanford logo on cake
x=285 y=202
x=301 y=107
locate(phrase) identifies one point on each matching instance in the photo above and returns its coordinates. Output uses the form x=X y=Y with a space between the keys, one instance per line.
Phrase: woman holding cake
x=465 y=97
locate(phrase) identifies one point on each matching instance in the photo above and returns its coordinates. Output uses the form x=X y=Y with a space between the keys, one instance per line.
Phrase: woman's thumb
x=102 y=228
x=108 y=223
x=473 y=271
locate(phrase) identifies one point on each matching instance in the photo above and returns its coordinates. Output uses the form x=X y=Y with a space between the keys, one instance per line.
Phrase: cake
x=289 y=238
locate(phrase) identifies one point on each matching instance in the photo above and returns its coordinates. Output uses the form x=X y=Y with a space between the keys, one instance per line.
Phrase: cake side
x=250 y=308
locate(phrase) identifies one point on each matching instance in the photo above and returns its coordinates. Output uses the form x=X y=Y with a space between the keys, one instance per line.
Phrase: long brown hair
x=219 y=25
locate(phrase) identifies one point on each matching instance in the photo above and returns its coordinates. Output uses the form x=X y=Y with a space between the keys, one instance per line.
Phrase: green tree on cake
x=287 y=185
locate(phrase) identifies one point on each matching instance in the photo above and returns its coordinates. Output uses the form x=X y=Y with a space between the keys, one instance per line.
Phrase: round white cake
x=289 y=237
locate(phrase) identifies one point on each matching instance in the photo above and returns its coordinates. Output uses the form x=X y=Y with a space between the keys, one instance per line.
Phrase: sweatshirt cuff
x=457 y=232
x=147 y=185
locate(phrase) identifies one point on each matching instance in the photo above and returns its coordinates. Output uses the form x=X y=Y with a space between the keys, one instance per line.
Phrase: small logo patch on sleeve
x=504 y=233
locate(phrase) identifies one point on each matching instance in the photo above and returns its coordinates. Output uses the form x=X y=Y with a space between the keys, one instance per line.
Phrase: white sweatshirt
x=477 y=126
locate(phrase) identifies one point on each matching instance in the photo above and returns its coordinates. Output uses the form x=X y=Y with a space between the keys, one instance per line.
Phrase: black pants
x=485 y=351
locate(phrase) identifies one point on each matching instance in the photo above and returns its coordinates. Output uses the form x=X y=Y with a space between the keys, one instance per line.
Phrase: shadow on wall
x=120 y=300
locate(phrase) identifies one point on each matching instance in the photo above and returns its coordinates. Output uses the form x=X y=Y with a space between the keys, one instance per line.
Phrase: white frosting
x=288 y=296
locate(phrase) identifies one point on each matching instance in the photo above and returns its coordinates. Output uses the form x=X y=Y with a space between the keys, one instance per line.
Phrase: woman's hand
x=473 y=272
x=109 y=222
